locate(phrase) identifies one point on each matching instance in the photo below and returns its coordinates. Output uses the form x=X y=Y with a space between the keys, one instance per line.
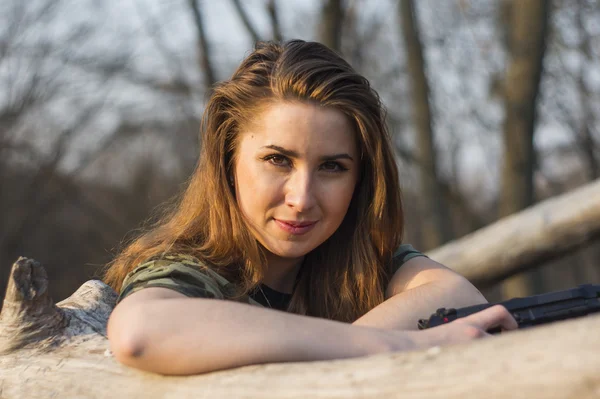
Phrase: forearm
x=403 y=311
x=191 y=336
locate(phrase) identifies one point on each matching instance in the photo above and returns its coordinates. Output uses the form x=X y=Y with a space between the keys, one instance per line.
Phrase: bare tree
x=274 y=17
x=204 y=55
x=41 y=202
x=436 y=225
x=246 y=20
x=587 y=143
x=527 y=35
x=332 y=17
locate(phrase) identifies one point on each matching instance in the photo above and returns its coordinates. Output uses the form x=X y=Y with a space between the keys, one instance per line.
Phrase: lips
x=295 y=223
x=295 y=227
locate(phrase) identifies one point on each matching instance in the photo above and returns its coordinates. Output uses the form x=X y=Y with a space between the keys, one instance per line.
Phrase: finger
x=495 y=316
x=506 y=320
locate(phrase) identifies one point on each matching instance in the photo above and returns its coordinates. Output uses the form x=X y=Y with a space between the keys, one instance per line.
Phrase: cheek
x=337 y=200
x=255 y=191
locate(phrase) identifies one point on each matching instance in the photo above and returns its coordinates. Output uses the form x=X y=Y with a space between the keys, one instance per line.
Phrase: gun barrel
x=585 y=291
x=556 y=311
x=532 y=310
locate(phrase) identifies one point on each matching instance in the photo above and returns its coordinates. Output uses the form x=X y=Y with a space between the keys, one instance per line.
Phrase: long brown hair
x=345 y=276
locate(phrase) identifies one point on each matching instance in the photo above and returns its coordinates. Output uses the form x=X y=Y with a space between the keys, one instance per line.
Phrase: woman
x=294 y=208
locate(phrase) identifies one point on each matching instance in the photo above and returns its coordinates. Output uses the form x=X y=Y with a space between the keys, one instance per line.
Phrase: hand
x=471 y=327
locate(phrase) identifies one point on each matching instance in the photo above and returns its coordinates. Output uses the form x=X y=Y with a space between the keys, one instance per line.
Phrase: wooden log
x=73 y=360
x=526 y=239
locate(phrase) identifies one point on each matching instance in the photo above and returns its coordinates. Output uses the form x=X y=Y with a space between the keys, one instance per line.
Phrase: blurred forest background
x=494 y=105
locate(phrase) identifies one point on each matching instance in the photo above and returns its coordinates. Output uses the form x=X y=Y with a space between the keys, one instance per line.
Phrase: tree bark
x=527 y=36
x=527 y=239
x=436 y=225
x=73 y=359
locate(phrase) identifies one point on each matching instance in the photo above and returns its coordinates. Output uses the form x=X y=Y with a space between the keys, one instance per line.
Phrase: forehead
x=301 y=126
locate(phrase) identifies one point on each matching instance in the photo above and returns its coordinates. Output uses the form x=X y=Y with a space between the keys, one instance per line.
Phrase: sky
x=461 y=57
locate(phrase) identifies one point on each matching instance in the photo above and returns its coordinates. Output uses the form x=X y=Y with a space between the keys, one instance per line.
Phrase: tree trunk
x=587 y=142
x=274 y=18
x=435 y=218
x=528 y=27
x=62 y=351
x=331 y=24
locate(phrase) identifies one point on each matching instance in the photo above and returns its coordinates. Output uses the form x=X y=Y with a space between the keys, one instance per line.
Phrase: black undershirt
x=277 y=300
x=280 y=300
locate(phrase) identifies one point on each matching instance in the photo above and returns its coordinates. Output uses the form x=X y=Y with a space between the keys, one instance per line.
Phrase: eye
x=277 y=160
x=331 y=166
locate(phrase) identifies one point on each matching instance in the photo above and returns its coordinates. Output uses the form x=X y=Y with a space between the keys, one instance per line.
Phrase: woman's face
x=296 y=169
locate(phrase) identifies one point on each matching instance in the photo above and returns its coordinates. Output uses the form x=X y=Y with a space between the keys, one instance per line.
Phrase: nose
x=299 y=191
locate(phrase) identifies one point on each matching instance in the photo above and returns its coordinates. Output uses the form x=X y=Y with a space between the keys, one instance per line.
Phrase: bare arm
x=160 y=330
x=165 y=332
x=418 y=289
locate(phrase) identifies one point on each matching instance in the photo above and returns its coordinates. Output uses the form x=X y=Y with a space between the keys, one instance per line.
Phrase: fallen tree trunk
x=61 y=351
x=526 y=239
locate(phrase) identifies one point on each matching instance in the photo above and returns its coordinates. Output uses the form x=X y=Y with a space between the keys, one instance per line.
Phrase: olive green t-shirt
x=189 y=276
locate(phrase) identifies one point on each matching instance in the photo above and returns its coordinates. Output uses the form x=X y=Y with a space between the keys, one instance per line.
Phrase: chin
x=293 y=252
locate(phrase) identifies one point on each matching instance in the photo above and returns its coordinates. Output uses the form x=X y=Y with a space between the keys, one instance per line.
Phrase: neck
x=281 y=273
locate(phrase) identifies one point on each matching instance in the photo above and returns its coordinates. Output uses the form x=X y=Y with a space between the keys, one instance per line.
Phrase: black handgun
x=531 y=310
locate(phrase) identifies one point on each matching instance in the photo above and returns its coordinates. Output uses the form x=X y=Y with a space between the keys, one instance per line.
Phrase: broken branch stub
x=29 y=317
x=28 y=314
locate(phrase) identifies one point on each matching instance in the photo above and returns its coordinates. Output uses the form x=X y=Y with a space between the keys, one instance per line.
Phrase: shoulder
x=183 y=273
x=403 y=254
x=174 y=264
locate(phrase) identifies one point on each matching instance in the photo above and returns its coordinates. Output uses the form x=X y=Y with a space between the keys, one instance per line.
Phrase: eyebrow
x=294 y=154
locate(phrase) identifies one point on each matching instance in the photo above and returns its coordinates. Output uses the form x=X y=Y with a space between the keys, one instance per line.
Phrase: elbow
x=133 y=342
x=126 y=338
